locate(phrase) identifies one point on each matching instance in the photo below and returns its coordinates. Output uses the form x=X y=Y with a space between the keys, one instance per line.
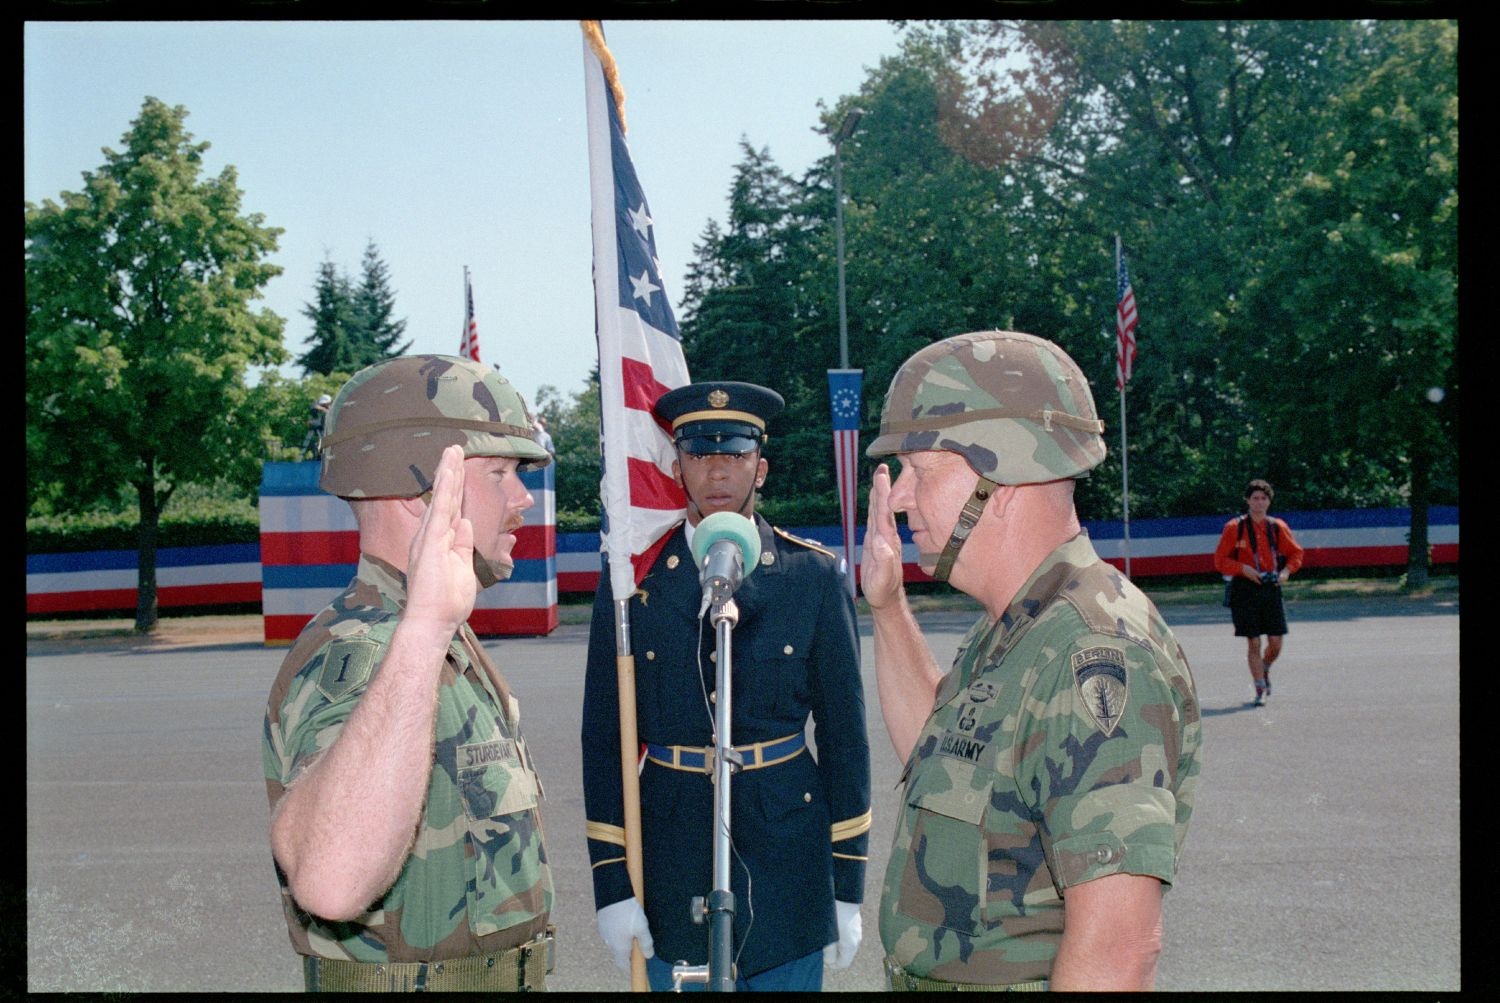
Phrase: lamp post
x=844 y=383
x=850 y=123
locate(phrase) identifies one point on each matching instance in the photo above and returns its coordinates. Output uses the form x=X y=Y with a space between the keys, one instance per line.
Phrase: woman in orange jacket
x=1257 y=552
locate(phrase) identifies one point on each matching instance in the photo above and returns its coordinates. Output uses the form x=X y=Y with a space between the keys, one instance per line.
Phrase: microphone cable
x=749 y=879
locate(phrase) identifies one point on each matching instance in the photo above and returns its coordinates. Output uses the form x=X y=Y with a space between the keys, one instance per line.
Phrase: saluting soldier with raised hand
x=405 y=820
x=1050 y=773
x=799 y=819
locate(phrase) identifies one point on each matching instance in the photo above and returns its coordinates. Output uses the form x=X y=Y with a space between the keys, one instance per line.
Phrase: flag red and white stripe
x=844 y=397
x=640 y=349
x=468 y=345
x=1125 y=320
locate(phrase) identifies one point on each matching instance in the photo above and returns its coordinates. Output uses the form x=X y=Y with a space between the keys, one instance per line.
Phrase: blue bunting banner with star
x=843 y=396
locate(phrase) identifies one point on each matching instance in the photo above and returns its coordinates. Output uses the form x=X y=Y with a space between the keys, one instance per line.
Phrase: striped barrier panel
x=312 y=546
x=1337 y=538
x=309 y=549
x=1332 y=538
x=106 y=580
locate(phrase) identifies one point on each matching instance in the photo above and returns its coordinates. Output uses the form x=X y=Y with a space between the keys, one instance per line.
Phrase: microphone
x=725 y=545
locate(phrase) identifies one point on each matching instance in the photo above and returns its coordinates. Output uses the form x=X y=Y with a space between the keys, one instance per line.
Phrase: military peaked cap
x=719 y=417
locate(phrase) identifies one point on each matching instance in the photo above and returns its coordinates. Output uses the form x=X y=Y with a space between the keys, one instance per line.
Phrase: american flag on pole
x=640 y=349
x=1125 y=320
x=468 y=345
x=843 y=396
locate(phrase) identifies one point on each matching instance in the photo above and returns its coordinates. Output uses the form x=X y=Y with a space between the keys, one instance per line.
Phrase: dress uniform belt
x=519 y=969
x=903 y=981
x=697 y=759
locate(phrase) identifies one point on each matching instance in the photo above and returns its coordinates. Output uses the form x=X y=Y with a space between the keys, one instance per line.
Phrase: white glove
x=621 y=922
x=840 y=954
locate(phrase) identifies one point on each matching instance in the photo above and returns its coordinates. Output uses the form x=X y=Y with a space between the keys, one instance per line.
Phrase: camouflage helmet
x=388 y=426
x=1013 y=405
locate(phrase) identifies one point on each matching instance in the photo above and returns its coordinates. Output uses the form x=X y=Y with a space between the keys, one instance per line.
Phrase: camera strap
x=1254 y=550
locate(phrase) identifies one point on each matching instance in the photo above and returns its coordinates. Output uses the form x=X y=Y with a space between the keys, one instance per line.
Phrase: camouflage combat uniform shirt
x=1063 y=746
x=477 y=879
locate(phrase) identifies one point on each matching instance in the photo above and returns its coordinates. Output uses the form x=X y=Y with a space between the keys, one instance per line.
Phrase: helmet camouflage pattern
x=388 y=426
x=1013 y=405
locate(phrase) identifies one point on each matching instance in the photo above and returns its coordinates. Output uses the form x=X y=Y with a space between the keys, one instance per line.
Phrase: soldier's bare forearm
x=342 y=831
x=906 y=674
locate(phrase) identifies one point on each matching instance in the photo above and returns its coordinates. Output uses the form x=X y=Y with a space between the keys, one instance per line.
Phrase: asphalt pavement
x=1323 y=852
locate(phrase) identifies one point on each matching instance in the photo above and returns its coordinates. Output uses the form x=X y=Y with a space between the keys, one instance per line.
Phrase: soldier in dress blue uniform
x=799 y=819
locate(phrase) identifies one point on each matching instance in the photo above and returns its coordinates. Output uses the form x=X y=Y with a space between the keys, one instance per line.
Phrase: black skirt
x=1256 y=609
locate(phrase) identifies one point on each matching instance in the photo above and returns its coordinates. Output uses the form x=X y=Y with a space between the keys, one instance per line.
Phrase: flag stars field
x=643 y=286
x=641 y=221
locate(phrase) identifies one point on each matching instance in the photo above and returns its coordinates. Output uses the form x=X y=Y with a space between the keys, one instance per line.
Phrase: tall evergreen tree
x=748 y=310
x=375 y=307
x=335 y=345
x=353 y=325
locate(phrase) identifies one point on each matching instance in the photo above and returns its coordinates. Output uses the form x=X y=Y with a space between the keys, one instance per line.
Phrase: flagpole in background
x=468 y=343
x=640 y=358
x=844 y=383
x=1125 y=325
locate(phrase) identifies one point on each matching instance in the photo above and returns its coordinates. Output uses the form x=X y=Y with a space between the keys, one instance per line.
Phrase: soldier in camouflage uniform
x=1050 y=773
x=404 y=803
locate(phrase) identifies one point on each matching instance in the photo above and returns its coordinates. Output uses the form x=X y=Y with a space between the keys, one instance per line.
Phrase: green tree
x=1361 y=298
x=936 y=244
x=140 y=329
x=375 y=308
x=335 y=344
x=279 y=407
x=1183 y=138
x=985 y=185
x=1171 y=135
x=354 y=325
x=574 y=426
x=753 y=311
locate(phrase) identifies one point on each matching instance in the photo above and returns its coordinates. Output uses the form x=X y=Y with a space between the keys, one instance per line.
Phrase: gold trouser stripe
x=848 y=856
x=605 y=833
x=851 y=827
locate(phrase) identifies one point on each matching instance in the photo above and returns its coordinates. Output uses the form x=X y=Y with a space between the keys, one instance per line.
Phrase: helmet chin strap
x=967 y=519
x=489 y=571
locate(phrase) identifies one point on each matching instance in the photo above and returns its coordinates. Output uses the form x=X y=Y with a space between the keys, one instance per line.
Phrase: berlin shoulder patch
x=1099 y=674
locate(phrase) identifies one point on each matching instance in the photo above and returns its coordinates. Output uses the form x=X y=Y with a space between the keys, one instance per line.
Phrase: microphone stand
x=719 y=910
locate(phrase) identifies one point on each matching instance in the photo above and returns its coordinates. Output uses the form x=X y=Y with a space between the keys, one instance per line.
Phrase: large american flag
x=468 y=345
x=1125 y=321
x=640 y=349
x=843 y=397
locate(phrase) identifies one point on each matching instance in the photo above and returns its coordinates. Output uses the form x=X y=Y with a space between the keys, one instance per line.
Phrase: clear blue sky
x=450 y=143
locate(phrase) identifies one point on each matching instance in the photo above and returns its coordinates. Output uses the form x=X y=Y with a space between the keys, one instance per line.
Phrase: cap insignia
x=717 y=398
